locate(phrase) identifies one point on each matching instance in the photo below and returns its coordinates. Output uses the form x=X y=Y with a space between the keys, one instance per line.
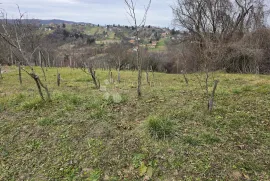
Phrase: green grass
x=168 y=134
x=159 y=127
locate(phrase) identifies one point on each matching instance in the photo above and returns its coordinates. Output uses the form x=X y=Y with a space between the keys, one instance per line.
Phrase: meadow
x=110 y=134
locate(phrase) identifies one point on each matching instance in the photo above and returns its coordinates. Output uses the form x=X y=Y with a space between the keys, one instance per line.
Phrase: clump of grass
x=33 y=104
x=160 y=127
x=75 y=100
x=97 y=113
x=236 y=91
x=45 y=122
x=247 y=88
x=92 y=104
x=192 y=140
x=210 y=139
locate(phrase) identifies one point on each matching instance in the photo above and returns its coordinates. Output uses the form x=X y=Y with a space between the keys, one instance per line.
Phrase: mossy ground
x=89 y=134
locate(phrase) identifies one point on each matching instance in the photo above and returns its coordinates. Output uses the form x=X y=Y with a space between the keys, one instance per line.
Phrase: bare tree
x=89 y=70
x=218 y=20
x=118 y=57
x=13 y=35
x=132 y=14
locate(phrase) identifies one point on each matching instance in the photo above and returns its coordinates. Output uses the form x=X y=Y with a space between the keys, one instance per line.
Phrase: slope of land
x=109 y=134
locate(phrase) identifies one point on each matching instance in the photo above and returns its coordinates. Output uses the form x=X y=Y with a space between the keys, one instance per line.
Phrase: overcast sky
x=92 y=11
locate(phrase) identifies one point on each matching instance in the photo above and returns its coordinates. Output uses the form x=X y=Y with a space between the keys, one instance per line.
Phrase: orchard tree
x=14 y=34
x=130 y=4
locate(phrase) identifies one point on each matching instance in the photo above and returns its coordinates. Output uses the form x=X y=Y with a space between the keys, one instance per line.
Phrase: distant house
x=152 y=45
x=132 y=41
x=135 y=49
x=49 y=28
x=164 y=35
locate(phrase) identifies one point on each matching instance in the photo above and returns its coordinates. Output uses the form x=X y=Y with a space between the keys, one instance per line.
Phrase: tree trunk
x=40 y=61
x=139 y=92
x=1 y=77
x=20 y=73
x=35 y=77
x=151 y=69
x=58 y=78
x=147 y=76
x=49 y=62
x=139 y=62
x=111 y=77
x=211 y=100
x=11 y=56
x=93 y=75
x=185 y=77
x=118 y=77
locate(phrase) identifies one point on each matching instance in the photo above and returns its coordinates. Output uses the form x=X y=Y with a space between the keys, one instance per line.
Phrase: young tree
x=118 y=56
x=13 y=35
x=136 y=24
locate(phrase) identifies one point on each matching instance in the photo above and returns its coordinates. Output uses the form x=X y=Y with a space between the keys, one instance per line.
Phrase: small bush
x=159 y=127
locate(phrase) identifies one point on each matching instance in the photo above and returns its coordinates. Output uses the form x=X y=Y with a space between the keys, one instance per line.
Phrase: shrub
x=159 y=127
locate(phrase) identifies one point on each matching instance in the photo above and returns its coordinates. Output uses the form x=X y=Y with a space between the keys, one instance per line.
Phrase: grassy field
x=109 y=134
